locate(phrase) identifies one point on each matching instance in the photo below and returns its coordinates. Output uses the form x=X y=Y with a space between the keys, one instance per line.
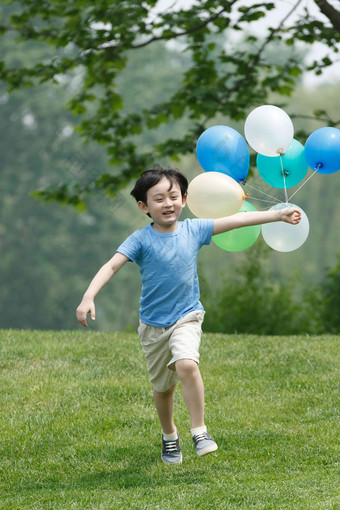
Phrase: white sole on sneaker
x=178 y=461
x=208 y=449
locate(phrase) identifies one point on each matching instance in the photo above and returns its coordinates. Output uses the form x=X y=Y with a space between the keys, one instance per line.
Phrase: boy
x=170 y=311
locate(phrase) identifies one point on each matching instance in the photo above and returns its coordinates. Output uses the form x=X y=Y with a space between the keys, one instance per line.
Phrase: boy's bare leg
x=165 y=406
x=192 y=389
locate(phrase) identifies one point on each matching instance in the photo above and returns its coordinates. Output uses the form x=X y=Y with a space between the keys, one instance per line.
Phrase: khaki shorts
x=164 y=346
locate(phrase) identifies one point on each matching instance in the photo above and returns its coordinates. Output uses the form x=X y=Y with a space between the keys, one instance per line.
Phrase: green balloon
x=240 y=238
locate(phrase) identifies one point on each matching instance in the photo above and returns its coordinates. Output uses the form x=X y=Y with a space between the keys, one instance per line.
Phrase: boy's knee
x=186 y=367
x=164 y=394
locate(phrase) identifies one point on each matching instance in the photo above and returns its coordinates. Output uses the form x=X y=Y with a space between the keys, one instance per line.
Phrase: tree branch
x=330 y=12
x=257 y=57
x=311 y=117
x=185 y=32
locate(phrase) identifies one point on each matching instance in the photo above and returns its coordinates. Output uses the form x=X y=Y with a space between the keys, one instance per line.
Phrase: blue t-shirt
x=168 y=267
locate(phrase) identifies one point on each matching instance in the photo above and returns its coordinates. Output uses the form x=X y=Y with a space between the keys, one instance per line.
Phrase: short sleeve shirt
x=168 y=267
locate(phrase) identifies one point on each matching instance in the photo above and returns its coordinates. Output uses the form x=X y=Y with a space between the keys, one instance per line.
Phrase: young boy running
x=170 y=312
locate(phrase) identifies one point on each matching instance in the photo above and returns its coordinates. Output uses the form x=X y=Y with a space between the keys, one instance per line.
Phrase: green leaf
x=320 y=113
x=80 y=207
x=285 y=90
x=295 y=71
x=177 y=110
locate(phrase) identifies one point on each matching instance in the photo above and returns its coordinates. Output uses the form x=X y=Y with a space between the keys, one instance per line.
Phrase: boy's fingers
x=81 y=317
x=83 y=322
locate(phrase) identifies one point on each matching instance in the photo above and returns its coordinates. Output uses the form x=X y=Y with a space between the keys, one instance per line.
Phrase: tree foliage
x=48 y=253
x=330 y=299
x=252 y=301
x=92 y=42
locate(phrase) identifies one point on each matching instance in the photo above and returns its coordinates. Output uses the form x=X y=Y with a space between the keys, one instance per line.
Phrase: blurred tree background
x=147 y=106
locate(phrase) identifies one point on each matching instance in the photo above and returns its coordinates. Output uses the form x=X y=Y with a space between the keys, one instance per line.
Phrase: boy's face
x=164 y=205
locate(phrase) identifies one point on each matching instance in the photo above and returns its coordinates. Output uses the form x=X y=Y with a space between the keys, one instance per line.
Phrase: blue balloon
x=293 y=163
x=322 y=150
x=223 y=149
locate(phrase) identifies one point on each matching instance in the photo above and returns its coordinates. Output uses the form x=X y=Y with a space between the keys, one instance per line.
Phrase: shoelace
x=200 y=436
x=170 y=446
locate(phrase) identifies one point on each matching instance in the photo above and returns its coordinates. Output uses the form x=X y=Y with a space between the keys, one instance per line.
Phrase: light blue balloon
x=322 y=150
x=293 y=163
x=223 y=149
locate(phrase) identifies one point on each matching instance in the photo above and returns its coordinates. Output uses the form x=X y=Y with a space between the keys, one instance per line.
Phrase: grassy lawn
x=79 y=431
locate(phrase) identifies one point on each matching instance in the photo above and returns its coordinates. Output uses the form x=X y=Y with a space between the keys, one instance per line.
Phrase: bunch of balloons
x=282 y=162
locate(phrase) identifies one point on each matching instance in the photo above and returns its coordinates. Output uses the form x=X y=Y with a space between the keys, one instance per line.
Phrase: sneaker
x=204 y=443
x=171 y=452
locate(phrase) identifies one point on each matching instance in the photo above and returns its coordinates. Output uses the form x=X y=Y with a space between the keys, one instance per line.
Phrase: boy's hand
x=291 y=215
x=85 y=307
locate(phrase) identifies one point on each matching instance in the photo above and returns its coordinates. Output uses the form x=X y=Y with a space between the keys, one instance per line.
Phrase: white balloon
x=214 y=195
x=269 y=130
x=283 y=236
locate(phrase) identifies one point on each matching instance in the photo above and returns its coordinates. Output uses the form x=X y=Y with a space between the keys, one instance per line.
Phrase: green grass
x=79 y=430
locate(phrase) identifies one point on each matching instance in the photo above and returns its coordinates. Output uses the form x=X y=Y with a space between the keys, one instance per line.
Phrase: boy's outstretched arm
x=104 y=274
x=246 y=219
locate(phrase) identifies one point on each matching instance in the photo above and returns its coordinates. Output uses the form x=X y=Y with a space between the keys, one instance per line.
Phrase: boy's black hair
x=152 y=177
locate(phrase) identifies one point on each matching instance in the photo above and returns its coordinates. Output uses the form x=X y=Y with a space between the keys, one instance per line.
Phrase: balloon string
x=262 y=200
x=314 y=172
x=284 y=178
x=260 y=191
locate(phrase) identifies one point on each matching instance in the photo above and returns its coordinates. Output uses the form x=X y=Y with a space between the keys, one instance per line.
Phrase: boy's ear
x=143 y=207
x=184 y=199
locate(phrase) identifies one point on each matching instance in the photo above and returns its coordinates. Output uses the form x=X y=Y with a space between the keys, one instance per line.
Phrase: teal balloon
x=240 y=238
x=294 y=166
